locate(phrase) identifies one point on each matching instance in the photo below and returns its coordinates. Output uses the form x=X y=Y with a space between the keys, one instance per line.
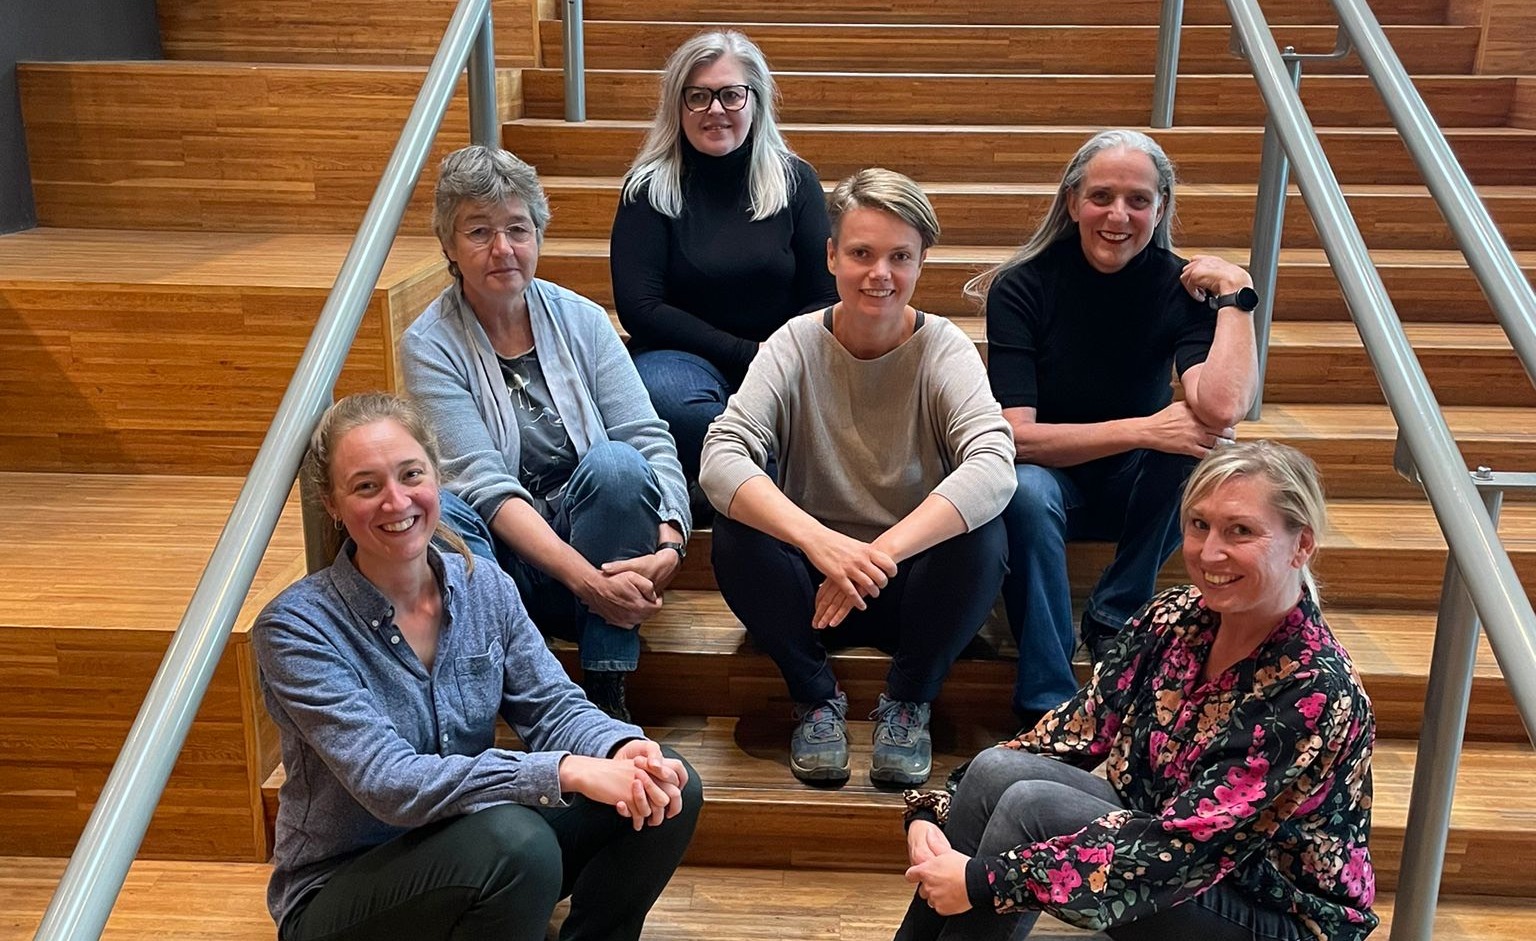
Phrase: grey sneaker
x=818 y=751
x=903 y=749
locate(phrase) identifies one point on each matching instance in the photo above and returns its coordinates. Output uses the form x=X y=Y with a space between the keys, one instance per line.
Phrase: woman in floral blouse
x=1237 y=741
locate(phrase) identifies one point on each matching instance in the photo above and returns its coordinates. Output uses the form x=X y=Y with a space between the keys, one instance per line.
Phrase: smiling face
x=875 y=258
x=716 y=131
x=384 y=490
x=502 y=268
x=1116 y=207
x=1241 y=554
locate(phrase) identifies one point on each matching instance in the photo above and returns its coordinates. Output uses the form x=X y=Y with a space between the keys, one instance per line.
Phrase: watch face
x=1247 y=299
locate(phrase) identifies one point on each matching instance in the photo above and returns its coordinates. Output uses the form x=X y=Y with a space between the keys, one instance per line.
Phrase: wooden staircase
x=194 y=213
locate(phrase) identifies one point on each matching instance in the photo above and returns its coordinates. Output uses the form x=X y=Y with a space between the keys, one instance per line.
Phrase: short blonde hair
x=1296 y=487
x=888 y=191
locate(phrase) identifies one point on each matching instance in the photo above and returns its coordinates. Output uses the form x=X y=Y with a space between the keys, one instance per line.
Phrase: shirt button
x=395 y=639
x=544 y=800
x=374 y=622
x=445 y=738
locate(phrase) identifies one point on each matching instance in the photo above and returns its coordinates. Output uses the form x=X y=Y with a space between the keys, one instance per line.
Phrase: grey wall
x=57 y=30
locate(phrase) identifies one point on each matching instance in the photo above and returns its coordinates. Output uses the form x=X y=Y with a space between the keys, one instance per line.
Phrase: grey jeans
x=1008 y=798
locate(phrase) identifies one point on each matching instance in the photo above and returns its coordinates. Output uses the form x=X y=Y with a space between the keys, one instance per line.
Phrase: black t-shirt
x=1081 y=346
x=548 y=456
x=713 y=282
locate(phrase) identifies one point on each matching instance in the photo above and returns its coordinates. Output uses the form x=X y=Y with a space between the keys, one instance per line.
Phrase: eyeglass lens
x=731 y=97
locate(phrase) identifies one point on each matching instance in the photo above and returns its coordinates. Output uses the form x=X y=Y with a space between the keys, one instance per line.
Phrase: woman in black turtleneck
x=720 y=236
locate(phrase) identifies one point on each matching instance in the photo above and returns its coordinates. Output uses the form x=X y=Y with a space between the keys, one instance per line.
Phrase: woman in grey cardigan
x=893 y=462
x=556 y=463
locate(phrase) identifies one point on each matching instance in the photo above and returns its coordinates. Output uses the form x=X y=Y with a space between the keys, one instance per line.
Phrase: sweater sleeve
x=748 y=431
x=975 y=434
x=1277 y=755
x=814 y=286
x=337 y=716
x=638 y=253
x=473 y=467
x=1012 y=311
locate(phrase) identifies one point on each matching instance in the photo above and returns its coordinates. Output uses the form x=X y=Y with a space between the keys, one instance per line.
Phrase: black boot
x=605 y=688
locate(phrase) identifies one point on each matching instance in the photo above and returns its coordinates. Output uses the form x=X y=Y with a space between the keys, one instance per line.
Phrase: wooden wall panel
x=1509 y=38
x=224 y=147
x=1522 y=112
x=353 y=33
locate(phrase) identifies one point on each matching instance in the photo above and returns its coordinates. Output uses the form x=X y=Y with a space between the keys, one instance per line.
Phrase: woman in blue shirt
x=385 y=673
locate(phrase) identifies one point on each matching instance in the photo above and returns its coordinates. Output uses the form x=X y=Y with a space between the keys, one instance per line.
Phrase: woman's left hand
x=941 y=881
x=1207 y=276
x=660 y=567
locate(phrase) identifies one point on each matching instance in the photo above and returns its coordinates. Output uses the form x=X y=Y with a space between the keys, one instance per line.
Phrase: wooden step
x=1145 y=12
x=168 y=352
x=358 y=34
x=96 y=575
x=1376 y=554
x=696 y=651
x=1001 y=214
x=1110 y=100
x=1035 y=154
x=224 y=146
x=1428 y=286
x=1129 y=50
x=227 y=901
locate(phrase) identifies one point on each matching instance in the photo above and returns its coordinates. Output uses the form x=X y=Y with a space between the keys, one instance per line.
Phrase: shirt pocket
x=479 y=680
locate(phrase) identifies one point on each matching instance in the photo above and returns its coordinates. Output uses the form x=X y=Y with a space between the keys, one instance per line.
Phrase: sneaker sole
x=899 y=778
x=820 y=775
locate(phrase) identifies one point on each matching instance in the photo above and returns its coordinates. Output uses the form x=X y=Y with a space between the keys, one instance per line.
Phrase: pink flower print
x=1312 y=707
x=1244 y=787
x=1205 y=824
x=1097 y=855
x=1063 y=881
x=1358 y=877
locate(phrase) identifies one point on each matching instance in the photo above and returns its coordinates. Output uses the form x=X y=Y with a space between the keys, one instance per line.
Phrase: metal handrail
x=1171 y=24
x=1479 y=569
x=573 y=47
x=85 y=895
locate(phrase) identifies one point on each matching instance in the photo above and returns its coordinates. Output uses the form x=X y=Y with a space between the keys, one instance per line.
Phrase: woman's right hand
x=623 y=598
x=855 y=570
x=925 y=840
x=1177 y=430
x=625 y=784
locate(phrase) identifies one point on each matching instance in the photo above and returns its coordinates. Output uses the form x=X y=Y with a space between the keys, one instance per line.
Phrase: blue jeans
x=924 y=617
x=1009 y=798
x=688 y=393
x=610 y=509
x=1132 y=498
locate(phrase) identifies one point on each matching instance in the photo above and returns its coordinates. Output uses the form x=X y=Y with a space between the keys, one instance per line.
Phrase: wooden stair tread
x=158 y=257
x=227 y=901
x=119 y=552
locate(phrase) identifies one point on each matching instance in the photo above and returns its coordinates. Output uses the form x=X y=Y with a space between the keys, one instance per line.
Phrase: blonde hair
x=1058 y=220
x=658 y=168
x=1296 y=488
x=365 y=408
x=888 y=191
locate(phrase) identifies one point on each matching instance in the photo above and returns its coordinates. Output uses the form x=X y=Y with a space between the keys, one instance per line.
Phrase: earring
x=340 y=526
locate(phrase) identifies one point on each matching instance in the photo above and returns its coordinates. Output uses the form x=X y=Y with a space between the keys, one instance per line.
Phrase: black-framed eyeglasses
x=731 y=97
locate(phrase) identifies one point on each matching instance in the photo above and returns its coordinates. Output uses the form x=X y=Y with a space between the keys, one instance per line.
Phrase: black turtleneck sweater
x=1081 y=346
x=713 y=282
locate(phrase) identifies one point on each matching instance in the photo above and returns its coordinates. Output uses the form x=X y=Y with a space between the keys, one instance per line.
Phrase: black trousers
x=924 y=618
x=498 y=874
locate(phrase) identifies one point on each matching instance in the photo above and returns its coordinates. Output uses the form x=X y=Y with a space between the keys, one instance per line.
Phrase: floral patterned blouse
x=1260 y=777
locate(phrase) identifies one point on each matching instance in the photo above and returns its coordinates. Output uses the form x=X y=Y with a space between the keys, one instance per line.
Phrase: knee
x=1036 y=503
x=519 y=854
x=693 y=791
x=612 y=470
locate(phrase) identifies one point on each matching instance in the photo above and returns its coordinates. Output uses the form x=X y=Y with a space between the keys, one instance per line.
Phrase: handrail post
x=1446 y=699
x=484 y=114
x=1167 y=63
x=574 y=48
x=1268 y=232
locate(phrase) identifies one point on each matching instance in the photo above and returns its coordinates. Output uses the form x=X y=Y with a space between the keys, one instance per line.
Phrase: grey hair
x=888 y=191
x=485 y=176
x=1296 y=487
x=365 y=408
x=658 y=168
x=1058 y=222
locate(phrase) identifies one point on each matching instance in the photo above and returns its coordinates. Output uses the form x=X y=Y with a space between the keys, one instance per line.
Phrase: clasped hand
x=854 y=571
x=1178 y=430
x=626 y=592
x=937 y=870
x=638 y=782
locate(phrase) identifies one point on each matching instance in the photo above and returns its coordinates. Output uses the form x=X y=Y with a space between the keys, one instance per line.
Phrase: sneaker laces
x=900 y=721
x=824 y=723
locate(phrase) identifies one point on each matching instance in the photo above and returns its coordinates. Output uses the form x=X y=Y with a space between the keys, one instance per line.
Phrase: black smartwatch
x=680 y=548
x=1246 y=299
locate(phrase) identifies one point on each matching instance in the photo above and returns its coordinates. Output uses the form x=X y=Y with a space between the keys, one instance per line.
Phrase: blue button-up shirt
x=375 y=744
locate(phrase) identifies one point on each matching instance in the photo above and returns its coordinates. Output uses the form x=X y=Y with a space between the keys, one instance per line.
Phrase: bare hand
x=1177 y=430
x=941 y=881
x=1207 y=276
x=622 y=783
x=668 y=773
x=659 y=567
x=855 y=570
x=623 y=598
x=925 y=840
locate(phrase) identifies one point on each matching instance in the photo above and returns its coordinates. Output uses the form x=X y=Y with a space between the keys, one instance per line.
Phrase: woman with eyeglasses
x=720 y=235
x=556 y=464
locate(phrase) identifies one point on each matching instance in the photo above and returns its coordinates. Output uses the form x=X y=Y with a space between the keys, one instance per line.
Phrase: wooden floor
x=164 y=901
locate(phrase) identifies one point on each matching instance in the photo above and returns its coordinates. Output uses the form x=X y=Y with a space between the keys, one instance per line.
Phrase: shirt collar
x=369 y=604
